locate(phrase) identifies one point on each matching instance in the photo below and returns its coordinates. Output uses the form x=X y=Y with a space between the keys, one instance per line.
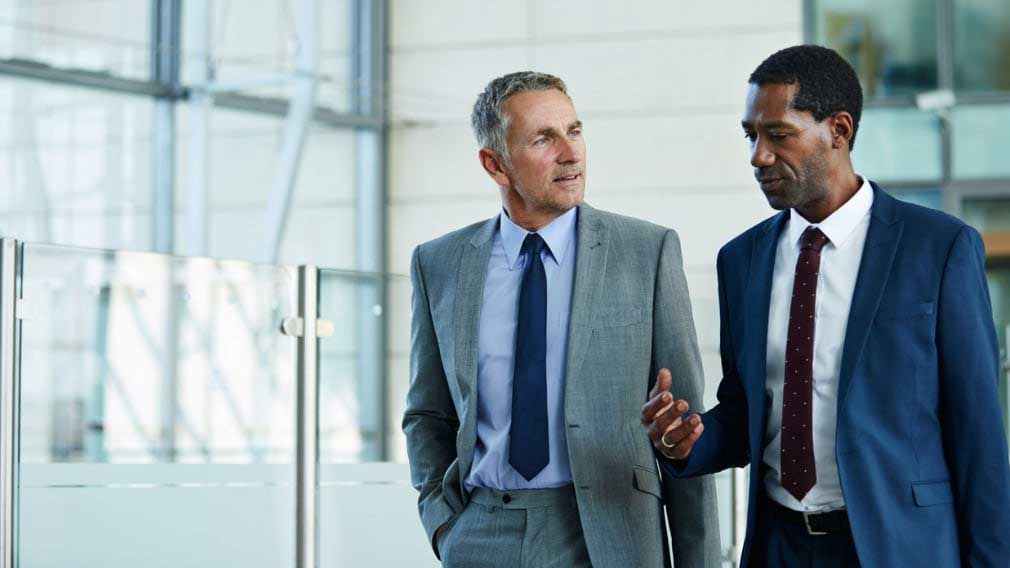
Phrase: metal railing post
x=307 y=419
x=9 y=357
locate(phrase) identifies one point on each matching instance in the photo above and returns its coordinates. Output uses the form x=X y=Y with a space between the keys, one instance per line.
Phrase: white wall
x=660 y=86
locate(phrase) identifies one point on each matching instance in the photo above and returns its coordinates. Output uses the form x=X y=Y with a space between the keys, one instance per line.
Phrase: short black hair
x=827 y=83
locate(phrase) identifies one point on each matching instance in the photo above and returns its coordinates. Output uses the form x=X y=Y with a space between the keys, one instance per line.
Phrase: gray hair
x=490 y=121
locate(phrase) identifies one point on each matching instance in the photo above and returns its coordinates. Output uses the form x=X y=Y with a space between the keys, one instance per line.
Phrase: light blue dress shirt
x=496 y=353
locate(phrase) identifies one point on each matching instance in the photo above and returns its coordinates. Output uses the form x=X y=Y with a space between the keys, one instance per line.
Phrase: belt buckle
x=810 y=531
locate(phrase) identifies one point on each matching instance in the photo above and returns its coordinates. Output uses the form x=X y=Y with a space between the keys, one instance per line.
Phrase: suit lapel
x=593 y=244
x=469 y=295
x=882 y=239
x=758 y=302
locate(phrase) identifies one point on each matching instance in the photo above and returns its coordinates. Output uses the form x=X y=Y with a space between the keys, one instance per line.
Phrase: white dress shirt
x=836 y=280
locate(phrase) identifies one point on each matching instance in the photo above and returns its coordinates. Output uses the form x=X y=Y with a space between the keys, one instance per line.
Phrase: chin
x=777 y=203
x=569 y=199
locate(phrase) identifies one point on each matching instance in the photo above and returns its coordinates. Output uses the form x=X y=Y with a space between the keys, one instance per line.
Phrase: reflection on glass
x=898 y=145
x=980 y=140
x=157 y=411
x=892 y=45
x=352 y=394
x=982 y=45
x=140 y=358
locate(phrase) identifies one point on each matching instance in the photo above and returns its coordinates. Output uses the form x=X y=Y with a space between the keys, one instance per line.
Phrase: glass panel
x=242 y=159
x=155 y=384
x=980 y=141
x=982 y=45
x=360 y=497
x=351 y=378
x=75 y=165
x=398 y=294
x=83 y=35
x=250 y=49
x=892 y=45
x=898 y=145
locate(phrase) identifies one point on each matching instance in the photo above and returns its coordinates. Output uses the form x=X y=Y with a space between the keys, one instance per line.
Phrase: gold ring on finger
x=662 y=440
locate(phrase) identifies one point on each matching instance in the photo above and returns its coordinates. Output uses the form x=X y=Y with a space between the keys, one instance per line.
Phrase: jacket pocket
x=647 y=481
x=932 y=493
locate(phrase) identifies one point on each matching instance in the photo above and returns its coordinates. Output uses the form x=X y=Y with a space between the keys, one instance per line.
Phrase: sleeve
x=691 y=506
x=429 y=421
x=974 y=439
x=724 y=443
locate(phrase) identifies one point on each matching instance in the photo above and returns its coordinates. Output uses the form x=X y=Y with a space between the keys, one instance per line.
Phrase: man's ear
x=492 y=164
x=841 y=129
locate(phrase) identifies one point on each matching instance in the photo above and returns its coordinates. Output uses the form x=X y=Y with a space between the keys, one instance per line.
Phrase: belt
x=830 y=522
x=525 y=498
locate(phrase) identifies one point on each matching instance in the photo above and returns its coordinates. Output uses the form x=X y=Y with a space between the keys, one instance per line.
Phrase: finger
x=683 y=448
x=656 y=407
x=663 y=382
x=665 y=419
x=681 y=429
x=674 y=431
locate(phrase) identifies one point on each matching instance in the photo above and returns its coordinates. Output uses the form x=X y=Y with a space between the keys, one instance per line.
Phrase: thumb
x=665 y=380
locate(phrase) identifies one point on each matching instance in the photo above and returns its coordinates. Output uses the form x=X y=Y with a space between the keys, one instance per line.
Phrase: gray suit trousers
x=533 y=528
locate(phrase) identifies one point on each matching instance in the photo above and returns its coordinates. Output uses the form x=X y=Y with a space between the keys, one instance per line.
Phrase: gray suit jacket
x=630 y=316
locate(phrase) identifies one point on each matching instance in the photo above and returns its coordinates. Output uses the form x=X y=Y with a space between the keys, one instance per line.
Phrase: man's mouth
x=563 y=179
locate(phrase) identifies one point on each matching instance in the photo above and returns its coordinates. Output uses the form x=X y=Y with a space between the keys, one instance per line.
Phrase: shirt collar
x=840 y=225
x=558 y=234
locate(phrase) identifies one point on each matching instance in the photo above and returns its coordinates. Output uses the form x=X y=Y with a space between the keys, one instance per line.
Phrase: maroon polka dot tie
x=798 y=472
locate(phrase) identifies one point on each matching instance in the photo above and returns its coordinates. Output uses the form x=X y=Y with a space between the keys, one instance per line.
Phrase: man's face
x=547 y=155
x=789 y=148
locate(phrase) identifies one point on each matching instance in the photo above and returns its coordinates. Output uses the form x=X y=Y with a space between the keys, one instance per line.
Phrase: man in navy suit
x=860 y=360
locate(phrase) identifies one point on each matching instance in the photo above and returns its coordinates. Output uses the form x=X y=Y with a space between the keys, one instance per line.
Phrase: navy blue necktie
x=529 y=449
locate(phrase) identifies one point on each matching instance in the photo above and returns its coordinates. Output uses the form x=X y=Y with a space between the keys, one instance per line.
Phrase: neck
x=840 y=189
x=529 y=218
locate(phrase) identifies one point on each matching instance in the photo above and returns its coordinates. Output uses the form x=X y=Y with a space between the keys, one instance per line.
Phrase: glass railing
x=156 y=412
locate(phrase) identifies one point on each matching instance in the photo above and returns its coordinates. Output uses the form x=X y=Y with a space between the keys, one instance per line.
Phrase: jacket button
x=506 y=499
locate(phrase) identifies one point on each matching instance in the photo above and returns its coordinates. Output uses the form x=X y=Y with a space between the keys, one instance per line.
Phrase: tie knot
x=813 y=238
x=533 y=244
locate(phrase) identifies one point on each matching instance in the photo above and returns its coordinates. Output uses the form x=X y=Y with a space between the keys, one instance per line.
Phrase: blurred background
x=166 y=166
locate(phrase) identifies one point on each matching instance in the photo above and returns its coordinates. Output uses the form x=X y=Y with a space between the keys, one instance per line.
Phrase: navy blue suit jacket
x=920 y=445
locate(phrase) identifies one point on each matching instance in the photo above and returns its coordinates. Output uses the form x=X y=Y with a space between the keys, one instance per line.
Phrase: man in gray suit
x=534 y=339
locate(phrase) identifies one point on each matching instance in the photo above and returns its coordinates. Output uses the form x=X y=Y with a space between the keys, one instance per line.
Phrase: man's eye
x=777 y=136
x=540 y=141
x=575 y=133
x=749 y=135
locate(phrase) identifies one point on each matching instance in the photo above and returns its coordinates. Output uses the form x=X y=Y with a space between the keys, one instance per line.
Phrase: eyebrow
x=776 y=124
x=548 y=130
